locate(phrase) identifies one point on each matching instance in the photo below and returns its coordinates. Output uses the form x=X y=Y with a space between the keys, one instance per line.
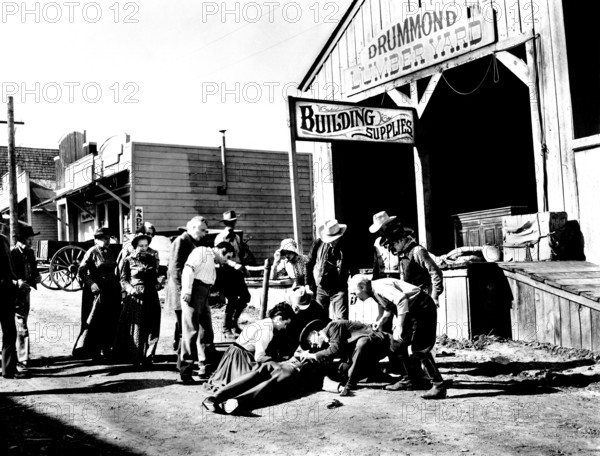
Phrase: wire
x=496 y=77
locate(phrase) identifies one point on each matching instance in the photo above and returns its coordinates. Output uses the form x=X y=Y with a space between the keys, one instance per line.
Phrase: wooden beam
x=399 y=98
x=516 y=65
x=114 y=195
x=81 y=208
x=51 y=214
x=431 y=85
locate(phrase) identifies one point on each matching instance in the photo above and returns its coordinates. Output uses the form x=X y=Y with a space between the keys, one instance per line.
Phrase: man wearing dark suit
x=8 y=287
x=359 y=346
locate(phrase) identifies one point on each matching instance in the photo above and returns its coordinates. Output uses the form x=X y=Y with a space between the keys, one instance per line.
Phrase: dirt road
x=508 y=398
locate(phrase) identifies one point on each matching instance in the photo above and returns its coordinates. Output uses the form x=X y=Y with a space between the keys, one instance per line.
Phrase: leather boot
x=437 y=391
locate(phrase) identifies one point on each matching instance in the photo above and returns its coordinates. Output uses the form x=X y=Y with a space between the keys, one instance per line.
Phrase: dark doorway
x=480 y=145
x=369 y=178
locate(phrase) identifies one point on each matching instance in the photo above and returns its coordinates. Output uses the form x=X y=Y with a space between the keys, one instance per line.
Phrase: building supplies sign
x=418 y=41
x=315 y=120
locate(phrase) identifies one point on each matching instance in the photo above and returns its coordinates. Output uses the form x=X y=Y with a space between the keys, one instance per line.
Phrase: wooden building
x=36 y=182
x=507 y=115
x=506 y=97
x=122 y=183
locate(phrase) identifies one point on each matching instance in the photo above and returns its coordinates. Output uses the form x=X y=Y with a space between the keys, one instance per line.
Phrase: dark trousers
x=9 y=337
x=269 y=383
x=368 y=351
x=335 y=303
x=177 y=332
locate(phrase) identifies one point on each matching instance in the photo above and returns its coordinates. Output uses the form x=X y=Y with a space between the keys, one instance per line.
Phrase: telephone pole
x=13 y=200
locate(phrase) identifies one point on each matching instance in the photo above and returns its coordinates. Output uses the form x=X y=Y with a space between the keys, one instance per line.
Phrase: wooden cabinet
x=482 y=227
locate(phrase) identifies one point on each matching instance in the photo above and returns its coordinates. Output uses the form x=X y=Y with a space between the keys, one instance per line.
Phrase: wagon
x=58 y=262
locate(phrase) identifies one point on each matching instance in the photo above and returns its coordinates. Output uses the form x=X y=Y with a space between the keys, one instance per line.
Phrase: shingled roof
x=39 y=162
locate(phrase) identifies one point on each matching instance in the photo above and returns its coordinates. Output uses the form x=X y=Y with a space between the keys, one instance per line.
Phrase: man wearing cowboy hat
x=9 y=285
x=328 y=269
x=228 y=235
x=385 y=264
x=25 y=264
x=306 y=309
x=415 y=264
x=359 y=346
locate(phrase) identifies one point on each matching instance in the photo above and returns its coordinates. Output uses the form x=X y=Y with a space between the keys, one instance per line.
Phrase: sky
x=163 y=72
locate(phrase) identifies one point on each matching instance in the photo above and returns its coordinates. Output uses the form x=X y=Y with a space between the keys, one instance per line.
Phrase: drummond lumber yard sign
x=316 y=120
x=421 y=40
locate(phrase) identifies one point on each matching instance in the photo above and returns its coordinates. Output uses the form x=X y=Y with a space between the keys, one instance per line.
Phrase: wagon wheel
x=47 y=282
x=64 y=267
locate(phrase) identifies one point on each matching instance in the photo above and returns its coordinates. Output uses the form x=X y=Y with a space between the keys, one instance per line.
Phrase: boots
x=408 y=384
x=437 y=391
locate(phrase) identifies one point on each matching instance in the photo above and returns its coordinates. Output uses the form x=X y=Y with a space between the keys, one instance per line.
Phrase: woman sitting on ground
x=287 y=262
x=251 y=346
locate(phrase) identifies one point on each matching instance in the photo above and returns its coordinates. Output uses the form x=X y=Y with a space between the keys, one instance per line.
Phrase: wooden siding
x=174 y=183
x=556 y=303
x=46 y=225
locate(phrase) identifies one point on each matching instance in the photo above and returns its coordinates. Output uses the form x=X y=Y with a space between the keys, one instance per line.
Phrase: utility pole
x=13 y=200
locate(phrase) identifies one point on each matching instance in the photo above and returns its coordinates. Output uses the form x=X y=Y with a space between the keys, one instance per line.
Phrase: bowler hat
x=101 y=232
x=379 y=220
x=25 y=231
x=229 y=216
x=315 y=325
x=331 y=230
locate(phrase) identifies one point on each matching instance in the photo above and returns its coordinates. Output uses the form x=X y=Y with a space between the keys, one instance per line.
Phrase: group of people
x=301 y=341
x=264 y=364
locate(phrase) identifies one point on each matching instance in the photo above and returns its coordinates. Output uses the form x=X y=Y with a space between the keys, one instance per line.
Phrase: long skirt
x=236 y=362
x=99 y=318
x=139 y=328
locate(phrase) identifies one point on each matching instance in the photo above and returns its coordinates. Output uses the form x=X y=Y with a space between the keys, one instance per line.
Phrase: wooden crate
x=525 y=237
x=482 y=227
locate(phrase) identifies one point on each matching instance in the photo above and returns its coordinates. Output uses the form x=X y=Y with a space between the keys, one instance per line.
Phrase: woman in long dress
x=252 y=347
x=139 y=324
x=101 y=299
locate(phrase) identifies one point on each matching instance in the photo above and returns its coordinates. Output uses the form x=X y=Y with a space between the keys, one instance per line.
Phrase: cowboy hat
x=315 y=325
x=25 y=231
x=138 y=237
x=289 y=245
x=331 y=230
x=379 y=220
x=101 y=232
x=394 y=232
x=300 y=296
x=229 y=216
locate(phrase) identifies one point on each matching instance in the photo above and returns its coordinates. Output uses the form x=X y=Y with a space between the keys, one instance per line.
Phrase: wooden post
x=296 y=213
x=265 y=290
x=13 y=200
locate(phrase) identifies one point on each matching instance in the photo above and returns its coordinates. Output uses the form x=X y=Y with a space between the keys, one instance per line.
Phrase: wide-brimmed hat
x=138 y=237
x=300 y=296
x=229 y=216
x=101 y=232
x=394 y=232
x=379 y=220
x=315 y=325
x=289 y=245
x=25 y=231
x=331 y=230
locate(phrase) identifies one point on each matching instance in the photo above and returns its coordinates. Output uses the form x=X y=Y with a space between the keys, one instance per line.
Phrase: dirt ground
x=507 y=398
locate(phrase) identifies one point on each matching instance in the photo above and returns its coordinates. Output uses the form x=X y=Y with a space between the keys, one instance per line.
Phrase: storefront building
x=506 y=107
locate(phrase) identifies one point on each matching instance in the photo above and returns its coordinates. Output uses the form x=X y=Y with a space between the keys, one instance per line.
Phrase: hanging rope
x=493 y=62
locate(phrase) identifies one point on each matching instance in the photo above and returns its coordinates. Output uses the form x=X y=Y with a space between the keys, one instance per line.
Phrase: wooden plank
x=586 y=328
x=553 y=324
x=336 y=79
x=384 y=8
x=359 y=34
x=375 y=16
x=529 y=12
x=442 y=313
x=513 y=16
x=541 y=318
x=557 y=291
x=575 y=311
x=457 y=320
x=501 y=23
x=527 y=316
x=343 y=62
x=367 y=21
x=351 y=44
x=571 y=275
x=514 y=308
x=595 y=332
x=553 y=266
x=565 y=322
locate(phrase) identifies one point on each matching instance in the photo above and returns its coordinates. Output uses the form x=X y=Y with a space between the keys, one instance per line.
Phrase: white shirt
x=235 y=242
x=394 y=292
x=256 y=337
x=200 y=265
x=390 y=260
